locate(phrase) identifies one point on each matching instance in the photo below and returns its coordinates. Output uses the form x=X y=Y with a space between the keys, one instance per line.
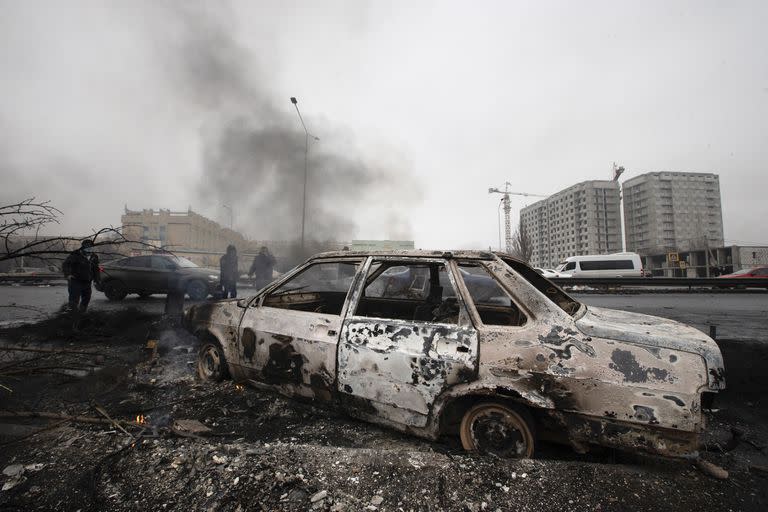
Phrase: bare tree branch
x=31 y=215
x=522 y=246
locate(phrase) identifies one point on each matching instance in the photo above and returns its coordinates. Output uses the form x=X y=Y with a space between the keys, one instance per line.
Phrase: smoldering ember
x=344 y=256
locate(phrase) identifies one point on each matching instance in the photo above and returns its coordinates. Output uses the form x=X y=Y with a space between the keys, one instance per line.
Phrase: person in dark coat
x=261 y=268
x=229 y=272
x=81 y=268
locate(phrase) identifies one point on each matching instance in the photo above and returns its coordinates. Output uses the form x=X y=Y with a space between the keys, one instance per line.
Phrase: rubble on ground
x=164 y=441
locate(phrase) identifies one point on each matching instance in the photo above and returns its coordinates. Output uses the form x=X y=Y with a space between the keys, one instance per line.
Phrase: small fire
x=140 y=419
x=239 y=387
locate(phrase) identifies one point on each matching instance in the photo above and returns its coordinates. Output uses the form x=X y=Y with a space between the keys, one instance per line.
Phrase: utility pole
x=508 y=209
x=307 y=135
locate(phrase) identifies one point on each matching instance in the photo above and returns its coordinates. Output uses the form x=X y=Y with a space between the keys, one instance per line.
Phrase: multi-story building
x=672 y=211
x=179 y=230
x=582 y=219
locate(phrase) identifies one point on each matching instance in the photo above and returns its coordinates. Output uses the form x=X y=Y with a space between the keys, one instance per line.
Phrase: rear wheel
x=499 y=429
x=197 y=290
x=115 y=290
x=211 y=363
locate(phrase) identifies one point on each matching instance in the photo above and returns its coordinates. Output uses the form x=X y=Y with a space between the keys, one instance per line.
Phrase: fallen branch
x=117 y=425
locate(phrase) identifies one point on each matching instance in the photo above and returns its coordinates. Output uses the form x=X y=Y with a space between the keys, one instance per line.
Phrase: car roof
x=419 y=253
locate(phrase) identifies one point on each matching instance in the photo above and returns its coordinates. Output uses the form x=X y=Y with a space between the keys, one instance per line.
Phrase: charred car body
x=470 y=343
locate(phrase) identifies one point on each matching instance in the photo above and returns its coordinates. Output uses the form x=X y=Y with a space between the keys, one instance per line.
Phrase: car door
x=406 y=339
x=288 y=337
x=163 y=273
x=136 y=273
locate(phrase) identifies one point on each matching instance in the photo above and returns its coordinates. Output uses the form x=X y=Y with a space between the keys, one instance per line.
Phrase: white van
x=620 y=264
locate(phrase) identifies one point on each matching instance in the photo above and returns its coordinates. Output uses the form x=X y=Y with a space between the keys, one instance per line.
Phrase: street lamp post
x=307 y=135
x=231 y=215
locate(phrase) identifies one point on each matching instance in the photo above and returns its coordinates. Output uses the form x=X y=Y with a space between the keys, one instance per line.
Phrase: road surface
x=736 y=315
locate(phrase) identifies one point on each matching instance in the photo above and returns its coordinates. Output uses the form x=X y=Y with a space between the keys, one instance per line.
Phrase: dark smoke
x=253 y=152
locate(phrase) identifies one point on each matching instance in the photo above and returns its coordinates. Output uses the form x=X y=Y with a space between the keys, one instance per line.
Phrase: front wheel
x=211 y=363
x=499 y=429
x=197 y=290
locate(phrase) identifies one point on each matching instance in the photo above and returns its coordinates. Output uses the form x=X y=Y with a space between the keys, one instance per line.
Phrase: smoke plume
x=253 y=153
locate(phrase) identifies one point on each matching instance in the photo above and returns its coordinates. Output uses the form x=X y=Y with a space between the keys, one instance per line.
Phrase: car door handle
x=462 y=349
x=331 y=332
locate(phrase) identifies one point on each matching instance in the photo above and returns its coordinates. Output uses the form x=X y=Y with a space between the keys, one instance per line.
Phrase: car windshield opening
x=492 y=302
x=553 y=292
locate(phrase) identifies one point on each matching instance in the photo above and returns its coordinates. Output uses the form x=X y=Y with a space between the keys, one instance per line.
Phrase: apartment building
x=672 y=211
x=582 y=219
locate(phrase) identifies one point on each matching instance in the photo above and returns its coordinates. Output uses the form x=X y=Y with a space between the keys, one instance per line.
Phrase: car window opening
x=492 y=302
x=554 y=293
x=320 y=288
x=411 y=292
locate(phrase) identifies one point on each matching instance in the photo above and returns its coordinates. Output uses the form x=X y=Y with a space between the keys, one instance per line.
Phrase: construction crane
x=508 y=208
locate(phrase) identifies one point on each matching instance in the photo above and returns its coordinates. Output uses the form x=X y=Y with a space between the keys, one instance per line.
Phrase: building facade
x=582 y=219
x=672 y=211
x=179 y=231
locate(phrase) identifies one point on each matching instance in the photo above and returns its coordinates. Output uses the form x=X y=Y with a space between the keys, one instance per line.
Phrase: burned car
x=470 y=344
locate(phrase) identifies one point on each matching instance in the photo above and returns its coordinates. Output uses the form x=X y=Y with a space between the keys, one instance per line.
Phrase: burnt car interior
x=554 y=293
x=319 y=288
x=409 y=291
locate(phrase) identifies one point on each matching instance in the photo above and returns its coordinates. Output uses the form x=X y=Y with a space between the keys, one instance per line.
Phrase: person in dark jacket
x=261 y=268
x=228 y=272
x=81 y=268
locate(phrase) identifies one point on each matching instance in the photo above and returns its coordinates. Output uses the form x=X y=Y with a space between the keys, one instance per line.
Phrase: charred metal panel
x=655 y=332
x=295 y=351
x=401 y=366
x=220 y=320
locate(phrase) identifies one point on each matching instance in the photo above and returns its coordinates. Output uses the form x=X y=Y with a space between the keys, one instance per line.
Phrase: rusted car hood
x=653 y=331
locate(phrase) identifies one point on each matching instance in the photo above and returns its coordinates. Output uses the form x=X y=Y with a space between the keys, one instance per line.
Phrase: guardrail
x=681 y=282
x=31 y=278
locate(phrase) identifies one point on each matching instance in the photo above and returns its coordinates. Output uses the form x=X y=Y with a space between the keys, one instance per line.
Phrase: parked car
x=550 y=273
x=472 y=344
x=157 y=273
x=756 y=272
x=620 y=264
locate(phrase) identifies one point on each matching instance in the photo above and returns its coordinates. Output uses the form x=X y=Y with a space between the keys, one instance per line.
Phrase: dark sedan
x=158 y=273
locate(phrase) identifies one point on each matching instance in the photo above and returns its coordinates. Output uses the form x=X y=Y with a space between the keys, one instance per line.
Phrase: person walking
x=261 y=268
x=81 y=268
x=228 y=272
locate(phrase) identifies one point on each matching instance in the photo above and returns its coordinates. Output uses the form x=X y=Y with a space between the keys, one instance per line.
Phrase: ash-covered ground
x=202 y=446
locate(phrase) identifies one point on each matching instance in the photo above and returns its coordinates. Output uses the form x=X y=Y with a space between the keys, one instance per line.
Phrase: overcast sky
x=422 y=105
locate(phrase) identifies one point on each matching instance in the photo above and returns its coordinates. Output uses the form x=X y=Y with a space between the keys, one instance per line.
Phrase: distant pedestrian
x=261 y=268
x=228 y=273
x=81 y=268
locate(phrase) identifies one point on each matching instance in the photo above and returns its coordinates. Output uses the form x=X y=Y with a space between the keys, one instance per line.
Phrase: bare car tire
x=211 y=363
x=197 y=290
x=503 y=430
x=115 y=290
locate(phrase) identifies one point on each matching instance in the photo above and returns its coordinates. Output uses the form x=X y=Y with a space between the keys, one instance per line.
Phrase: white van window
x=607 y=265
x=571 y=265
